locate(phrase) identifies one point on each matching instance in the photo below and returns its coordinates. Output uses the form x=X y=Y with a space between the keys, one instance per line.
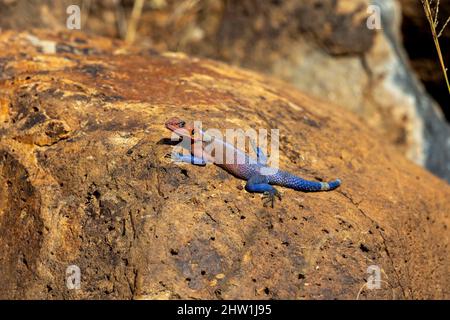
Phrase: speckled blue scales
x=280 y=178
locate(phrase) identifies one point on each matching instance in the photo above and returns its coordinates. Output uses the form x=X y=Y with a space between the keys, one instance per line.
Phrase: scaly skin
x=250 y=170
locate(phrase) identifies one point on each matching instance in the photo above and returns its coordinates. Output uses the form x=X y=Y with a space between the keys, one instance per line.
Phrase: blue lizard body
x=250 y=169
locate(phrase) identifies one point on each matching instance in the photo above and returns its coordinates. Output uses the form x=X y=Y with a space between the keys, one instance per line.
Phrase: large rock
x=84 y=181
x=323 y=47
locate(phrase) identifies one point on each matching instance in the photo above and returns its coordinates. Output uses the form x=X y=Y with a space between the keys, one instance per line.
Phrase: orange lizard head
x=181 y=127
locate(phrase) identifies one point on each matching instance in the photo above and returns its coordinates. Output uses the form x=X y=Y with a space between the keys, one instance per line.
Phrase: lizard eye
x=181 y=124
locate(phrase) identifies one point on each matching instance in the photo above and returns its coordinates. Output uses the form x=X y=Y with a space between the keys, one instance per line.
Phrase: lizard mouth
x=177 y=126
x=174 y=123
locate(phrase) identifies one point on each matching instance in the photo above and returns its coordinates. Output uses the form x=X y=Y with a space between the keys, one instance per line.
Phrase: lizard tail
x=331 y=185
x=293 y=182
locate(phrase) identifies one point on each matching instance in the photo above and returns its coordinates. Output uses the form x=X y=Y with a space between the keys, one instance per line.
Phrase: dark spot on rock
x=80 y=97
x=311 y=123
x=222 y=175
x=301 y=276
x=88 y=51
x=55 y=129
x=108 y=98
x=34 y=119
x=66 y=48
x=152 y=52
x=402 y=136
x=174 y=252
x=93 y=69
x=53 y=92
x=364 y=248
x=80 y=41
x=318 y=5
x=96 y=194
x=184 y=172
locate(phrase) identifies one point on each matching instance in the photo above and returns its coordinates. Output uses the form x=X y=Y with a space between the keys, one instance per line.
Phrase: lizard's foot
x=269 y=197
x=173 y=157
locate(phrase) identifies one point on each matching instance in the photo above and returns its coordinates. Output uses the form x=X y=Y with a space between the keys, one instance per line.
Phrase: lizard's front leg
x=197 y=157
x=179 y=157
x=260 y=156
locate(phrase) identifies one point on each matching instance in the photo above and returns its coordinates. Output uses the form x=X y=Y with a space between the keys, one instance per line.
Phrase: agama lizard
x=250 y=170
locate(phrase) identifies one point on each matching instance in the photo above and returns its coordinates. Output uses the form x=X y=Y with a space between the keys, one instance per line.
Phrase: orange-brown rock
x=84 y=181
x=322 y=47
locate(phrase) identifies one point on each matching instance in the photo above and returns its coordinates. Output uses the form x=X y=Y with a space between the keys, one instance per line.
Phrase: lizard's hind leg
x=260 y=184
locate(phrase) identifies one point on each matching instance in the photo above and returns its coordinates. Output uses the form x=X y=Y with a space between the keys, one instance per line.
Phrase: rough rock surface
x=323 y=47
x=84 y=181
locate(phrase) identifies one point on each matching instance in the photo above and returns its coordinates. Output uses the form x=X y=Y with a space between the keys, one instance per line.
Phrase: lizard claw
x=278 y=195
x=170 y=157
x=269 y=197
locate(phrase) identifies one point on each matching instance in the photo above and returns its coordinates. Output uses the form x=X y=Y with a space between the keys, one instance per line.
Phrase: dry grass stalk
x=432 y=12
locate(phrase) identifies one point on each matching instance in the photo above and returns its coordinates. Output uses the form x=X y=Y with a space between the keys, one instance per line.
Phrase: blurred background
x=390 y=77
